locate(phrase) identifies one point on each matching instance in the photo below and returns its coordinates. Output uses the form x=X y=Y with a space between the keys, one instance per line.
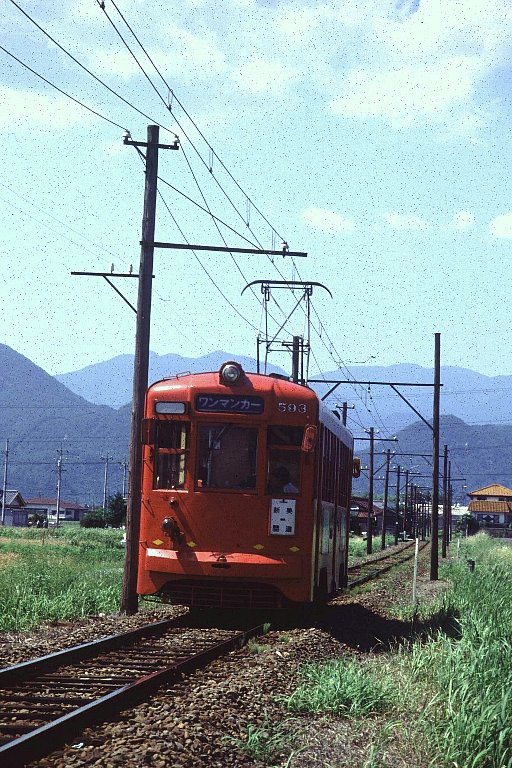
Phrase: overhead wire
x=249 y=201
x=60 y=90
x=88 y=71
x=176 y=99
x=207 y=209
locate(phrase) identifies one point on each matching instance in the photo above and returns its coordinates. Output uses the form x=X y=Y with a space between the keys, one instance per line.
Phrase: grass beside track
x=443 y=701
x=56 y=575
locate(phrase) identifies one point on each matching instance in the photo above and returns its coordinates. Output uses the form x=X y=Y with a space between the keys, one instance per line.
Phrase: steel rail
x=27 y=669
x=43 y=740
x=378 y=572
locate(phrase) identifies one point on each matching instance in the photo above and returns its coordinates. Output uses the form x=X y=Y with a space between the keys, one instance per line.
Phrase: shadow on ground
x=350 y=623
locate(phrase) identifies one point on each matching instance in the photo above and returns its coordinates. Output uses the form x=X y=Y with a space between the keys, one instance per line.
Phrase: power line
x=176 y=99
x=82 y=66
x=68 y=95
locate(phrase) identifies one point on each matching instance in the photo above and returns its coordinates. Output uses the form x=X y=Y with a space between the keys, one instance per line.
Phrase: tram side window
x=284 y=457
x=171 y=449
x=227 y=457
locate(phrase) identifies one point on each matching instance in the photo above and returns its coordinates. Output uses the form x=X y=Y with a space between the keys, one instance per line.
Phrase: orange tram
x=245 y=492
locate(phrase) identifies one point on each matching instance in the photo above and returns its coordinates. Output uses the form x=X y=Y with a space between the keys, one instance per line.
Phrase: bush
x=94 y=519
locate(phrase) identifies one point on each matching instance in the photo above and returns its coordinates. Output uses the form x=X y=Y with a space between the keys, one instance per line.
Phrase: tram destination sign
x=248 y=404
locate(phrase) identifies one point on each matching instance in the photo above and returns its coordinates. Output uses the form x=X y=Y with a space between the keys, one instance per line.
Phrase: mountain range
x=471 y=396
x=86 y=414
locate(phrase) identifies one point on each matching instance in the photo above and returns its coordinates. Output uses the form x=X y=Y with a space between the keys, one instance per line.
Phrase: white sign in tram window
x=282 y=517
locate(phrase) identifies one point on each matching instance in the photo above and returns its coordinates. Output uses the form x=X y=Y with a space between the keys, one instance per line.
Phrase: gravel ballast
x=205 y=719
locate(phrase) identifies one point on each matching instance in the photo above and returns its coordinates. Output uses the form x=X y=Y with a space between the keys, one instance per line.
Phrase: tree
x=115 y=514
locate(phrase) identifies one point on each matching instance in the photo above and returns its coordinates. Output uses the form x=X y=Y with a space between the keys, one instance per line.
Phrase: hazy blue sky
x=373 y=135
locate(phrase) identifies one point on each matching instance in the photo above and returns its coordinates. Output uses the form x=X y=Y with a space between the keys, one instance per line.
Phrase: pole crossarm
x=128 y=140
x=371 y=383
x=382 y=439
x=106 y=276
x=225 y=249
x=411 y=406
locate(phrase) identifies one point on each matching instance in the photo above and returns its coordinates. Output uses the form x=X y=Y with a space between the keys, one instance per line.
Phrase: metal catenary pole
x=129 y=600
x=434 y=540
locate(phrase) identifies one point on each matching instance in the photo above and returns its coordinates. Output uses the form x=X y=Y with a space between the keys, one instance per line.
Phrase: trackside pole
x=434 y=533
x=415 y=573
x=129 y=600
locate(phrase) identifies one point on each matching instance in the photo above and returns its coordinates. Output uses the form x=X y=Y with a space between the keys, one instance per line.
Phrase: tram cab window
x=171 y=452
x=284 y=459
x=227 y=457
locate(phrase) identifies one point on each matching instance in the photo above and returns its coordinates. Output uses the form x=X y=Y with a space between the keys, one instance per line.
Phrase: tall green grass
x=342 y=687
x=450 y=695
x=57 y=575
x=464 y=684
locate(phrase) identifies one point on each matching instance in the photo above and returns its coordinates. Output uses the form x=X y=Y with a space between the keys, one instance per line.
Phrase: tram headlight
x=231 y=373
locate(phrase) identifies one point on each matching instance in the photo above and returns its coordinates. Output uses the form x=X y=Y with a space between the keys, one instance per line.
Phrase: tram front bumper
x=229 y=565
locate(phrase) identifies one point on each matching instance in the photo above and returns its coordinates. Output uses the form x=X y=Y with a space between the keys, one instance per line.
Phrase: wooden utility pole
x=105 y=482
x=450 y=489
x=369 y=536
x=59 y=479
x=4 y=486
x=414 y=523
x=406 y=498
x=397 y=503
x=386 y=490
x=129 y=600
x=434 y=536
x=445 y=502
x=295 y=359
x=344 y=414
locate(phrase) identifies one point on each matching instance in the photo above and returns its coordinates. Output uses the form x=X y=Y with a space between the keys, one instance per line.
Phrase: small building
x=69 y=511
x=359 y=515
x=15 y=511
x=491 y=506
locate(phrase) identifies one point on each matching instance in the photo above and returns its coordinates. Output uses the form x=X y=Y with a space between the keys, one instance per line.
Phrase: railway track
x=49 y=701
x=371 y=569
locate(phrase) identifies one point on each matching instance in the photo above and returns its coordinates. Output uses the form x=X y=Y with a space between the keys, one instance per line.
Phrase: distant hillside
x=110 y=382
x=482 y=454
x=469 y=395
x=38 y=415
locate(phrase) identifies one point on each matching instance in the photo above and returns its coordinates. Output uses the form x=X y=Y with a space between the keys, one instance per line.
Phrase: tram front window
x=171 y=454
x=284 y=459
x=227 y=457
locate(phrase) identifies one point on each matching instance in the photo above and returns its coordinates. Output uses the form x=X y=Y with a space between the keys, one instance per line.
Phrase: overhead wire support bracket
x=300 y=348
x=307 y=285
x=106 y=276
x=227 y=249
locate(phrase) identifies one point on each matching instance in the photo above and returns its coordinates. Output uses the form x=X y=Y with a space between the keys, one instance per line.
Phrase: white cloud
x=463 y=220
x=501 y=226
x=406 y=221
x=264 y=75
x=180 y=54
x=407 y=95
x=327 y=221
x=29 y=110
